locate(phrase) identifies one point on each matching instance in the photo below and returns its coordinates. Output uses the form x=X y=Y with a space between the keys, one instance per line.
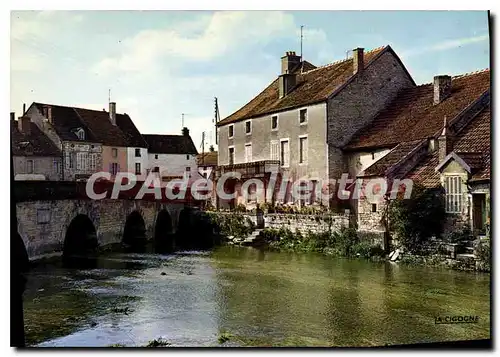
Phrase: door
x=478 y=212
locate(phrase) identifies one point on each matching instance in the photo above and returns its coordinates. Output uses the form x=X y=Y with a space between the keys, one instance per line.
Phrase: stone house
x=298 y=125
x=35 y=156
x=207 y=163
x=172 y=156
x=90 y=140
x=437 y=135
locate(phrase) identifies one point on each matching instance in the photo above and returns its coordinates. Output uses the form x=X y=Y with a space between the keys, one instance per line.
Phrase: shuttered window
x=285 y=153
x=275 y=150
x=303 y=149
x=248 y=152
x=454 y=194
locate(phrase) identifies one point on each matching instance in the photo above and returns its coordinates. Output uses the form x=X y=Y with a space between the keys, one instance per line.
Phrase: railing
x=250 y=168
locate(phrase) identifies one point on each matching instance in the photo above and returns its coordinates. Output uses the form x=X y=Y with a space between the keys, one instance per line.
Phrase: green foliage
x=240 y=208
x=417 y=219
x=224 y=337
x=236 y=225
x=459 y=235
x=483 y=255
x=344 y=243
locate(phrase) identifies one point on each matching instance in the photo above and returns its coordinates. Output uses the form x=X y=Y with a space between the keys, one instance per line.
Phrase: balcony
x=250 y=169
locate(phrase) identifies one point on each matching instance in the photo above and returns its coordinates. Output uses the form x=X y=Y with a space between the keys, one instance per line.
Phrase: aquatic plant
x=160 y=342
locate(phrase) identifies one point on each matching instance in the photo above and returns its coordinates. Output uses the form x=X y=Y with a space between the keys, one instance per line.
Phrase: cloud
x=444 y=46
x=202 y=39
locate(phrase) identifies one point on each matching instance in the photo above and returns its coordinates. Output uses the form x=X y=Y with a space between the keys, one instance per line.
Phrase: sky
x=160 y=64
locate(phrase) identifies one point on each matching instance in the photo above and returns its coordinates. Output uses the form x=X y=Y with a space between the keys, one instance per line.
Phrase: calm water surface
x=259 y=298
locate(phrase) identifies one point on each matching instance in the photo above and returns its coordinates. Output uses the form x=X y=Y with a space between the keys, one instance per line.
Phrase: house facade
x=436 y=135
x=297 y=126
x=90 y=140
x=172 y=156
x=35 y=156
x=207 y=167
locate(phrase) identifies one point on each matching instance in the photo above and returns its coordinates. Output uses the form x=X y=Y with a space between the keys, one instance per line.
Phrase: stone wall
x=48 y=166
x=305 y=223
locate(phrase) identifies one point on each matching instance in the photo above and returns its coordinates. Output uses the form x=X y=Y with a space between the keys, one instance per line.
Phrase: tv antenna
x=216 y=118
x=301 y=38
x=182 y=119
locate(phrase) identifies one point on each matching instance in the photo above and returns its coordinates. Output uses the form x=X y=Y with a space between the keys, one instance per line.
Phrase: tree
x=417 y=219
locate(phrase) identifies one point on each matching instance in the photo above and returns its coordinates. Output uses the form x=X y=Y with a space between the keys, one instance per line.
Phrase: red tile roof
x=208 y=158
x=472 y=144
x=313 y=86
x=412 y=115
x=397 y=154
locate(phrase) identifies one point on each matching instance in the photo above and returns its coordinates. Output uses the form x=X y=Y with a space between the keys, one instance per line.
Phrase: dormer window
x=80 y=133
x=303 y=116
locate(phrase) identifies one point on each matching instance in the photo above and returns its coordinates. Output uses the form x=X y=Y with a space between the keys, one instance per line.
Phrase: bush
x=461 y=234
x=483 y=255
x=235 y=224
x=417 y=219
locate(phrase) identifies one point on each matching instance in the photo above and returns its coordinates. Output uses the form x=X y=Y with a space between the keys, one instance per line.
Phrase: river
x=255 y=298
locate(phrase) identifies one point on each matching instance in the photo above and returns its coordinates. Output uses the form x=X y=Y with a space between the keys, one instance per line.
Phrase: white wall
x=132 y=160
x=360 y=161
x=173 y=164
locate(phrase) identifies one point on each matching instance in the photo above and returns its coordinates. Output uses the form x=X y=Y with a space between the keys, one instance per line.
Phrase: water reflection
x=261 y=298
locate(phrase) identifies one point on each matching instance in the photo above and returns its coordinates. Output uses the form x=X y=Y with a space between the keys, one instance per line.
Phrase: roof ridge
x=78 y=108
x=470 y=73
x=343 y=60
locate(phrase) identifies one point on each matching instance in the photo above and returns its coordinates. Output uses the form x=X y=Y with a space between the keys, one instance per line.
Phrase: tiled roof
x=472 y=144
x=35 y=144
x=97 y=126
x=170 y=144
x=424 y=172
x=397 y=154
x=208 y=158
x=412 y=115
x=313 y=86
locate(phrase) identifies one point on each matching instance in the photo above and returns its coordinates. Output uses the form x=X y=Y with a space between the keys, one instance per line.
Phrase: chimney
x=288 y=62
x=442 y=88
x=287 y=79
x=12 y=116
x=112 y=112
x=24 y=108
x=358 y=60
x=444 y=141
x=24 y=125
x=185 y=131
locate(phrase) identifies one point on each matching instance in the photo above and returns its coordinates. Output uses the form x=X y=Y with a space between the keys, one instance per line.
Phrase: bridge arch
x=164 y=238
x=81 y=237
x=134 y=232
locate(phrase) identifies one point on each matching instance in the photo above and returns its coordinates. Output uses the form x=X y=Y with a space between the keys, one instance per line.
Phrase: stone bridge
x=50 y=215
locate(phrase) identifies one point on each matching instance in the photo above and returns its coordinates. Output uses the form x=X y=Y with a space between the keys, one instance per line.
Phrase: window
x=302 y=149
x=231 y=131
x=93 y=161
x=81 y=161
x=454 y=196
x=231 y=156
x=114 y=152
x=187 y=157
x=374 y=207
x=303 y=116
x=137 y=152
x=70 y=160
x=156 y=156
x=248 y=127
x=274 y=122
x=188 y=171
x=42 y=216
x=137 y=168
x=30 y=166
x=248 y=152
x=155 y=169
x=113 y=168
x=284 y=153
x=80 y=133
x=56 y=166
x=275 y=150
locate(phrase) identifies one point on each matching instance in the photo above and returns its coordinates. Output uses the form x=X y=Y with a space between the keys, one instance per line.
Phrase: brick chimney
x=12 y=116
x=185 y=131
x=442 y=88
x=24 y=125
x=112 y=112
x=444 y=141
x=287 y=80
x=358 y=56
